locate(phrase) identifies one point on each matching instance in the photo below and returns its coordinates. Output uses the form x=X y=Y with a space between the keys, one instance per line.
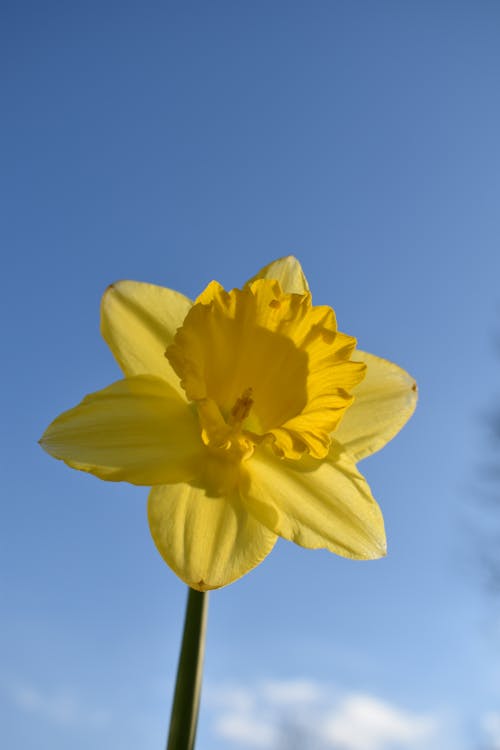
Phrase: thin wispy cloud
x=292 y=692
x=229 y=697
x=59 y=707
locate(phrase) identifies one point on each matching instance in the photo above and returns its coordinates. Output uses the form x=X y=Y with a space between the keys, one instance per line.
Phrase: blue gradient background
x=179 y=142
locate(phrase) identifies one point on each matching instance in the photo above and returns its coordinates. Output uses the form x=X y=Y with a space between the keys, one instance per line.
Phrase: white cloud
x=263 y=715
x=363 y=722
x=246 y=730
x=59 y=708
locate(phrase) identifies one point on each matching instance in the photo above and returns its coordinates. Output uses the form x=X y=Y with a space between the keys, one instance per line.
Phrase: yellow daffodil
x=246 y=412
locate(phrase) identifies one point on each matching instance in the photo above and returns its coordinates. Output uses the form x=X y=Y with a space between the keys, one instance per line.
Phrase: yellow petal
x=138 y=322
x=316 y=504
x=137 y=430
x=383 y=403
x=288 y=272
x=208 y=541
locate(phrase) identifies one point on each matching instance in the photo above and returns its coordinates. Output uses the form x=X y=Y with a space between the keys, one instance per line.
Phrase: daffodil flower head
x=246 y=412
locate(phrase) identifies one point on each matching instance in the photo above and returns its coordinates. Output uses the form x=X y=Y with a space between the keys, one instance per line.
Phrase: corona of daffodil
x=246 y=412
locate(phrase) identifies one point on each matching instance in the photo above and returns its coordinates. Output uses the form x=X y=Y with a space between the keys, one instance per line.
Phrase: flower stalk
x=186 y=703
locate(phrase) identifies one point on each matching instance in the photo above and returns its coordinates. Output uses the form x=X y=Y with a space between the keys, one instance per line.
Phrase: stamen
x=241 y=409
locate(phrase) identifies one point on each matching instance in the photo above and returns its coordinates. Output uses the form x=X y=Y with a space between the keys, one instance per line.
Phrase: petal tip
x=203 y=586
x=108 y=293
x=288 y=271
x=382 y=551
x=379 y=547
x=111 y=288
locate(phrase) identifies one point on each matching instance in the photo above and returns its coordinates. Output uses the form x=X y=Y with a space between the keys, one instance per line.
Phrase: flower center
x=291 y=353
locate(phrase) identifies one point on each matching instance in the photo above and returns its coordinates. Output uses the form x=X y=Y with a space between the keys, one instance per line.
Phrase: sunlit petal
x=316 y=504
x=138 y=322
x=137 y=430
x=209 y=541
x=383 y=403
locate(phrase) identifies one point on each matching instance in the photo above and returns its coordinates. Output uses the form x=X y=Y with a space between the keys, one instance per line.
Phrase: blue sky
x=176 y=143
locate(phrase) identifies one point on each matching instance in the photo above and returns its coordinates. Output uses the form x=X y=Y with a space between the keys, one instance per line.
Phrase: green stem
x=186 y=703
